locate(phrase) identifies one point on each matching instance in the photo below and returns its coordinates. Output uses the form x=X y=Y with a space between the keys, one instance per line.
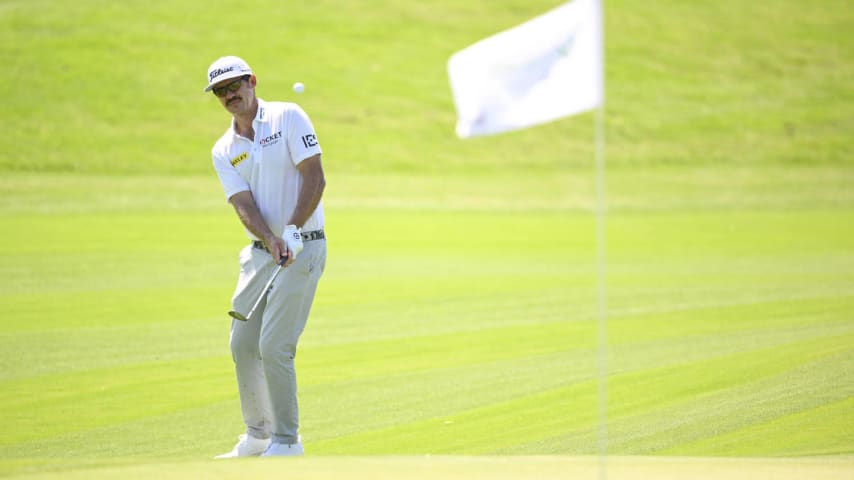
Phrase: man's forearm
x=308 y=201
x=249 y=215
x=311 y=191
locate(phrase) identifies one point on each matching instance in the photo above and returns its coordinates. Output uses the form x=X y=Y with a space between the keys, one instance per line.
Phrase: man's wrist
x=269 y=239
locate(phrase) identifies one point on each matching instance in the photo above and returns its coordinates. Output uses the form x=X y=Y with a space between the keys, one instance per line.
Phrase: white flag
x=544 y=69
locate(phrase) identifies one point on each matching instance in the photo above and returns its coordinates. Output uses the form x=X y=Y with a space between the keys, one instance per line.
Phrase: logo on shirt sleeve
x=236 y=160
x=309 y=140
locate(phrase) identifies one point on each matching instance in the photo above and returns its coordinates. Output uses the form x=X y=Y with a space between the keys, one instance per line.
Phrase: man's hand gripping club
x=286 y=250
x=288 y=246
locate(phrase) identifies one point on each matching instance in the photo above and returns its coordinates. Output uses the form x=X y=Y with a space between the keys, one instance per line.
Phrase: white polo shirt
x=266 y=166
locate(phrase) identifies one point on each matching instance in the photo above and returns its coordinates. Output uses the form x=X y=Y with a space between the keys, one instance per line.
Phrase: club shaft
x=264 y=291
x=239 y=316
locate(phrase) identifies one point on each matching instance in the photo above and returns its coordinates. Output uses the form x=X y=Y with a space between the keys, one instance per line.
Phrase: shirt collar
x=262 y=115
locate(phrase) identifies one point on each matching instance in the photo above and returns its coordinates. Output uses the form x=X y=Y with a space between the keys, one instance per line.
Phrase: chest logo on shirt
x=236 y=160
x=309 y=140
x=272 y=139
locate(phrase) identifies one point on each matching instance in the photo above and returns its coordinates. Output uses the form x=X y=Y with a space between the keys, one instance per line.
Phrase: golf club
x=239 y=316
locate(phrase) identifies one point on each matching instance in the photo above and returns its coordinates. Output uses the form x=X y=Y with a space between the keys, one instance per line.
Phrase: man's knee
x=271 y=349
x=244 y=351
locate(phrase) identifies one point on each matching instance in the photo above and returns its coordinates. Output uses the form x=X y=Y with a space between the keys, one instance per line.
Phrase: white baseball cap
x=224 y=68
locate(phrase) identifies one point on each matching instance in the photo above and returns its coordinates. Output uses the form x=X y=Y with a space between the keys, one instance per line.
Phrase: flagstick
x=601 y=259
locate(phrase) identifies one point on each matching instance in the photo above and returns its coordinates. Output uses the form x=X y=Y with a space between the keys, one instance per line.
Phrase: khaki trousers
x=264 y=347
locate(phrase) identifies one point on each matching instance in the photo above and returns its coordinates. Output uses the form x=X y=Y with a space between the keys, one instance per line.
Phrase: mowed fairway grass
x=455 y=334
x=730 y=332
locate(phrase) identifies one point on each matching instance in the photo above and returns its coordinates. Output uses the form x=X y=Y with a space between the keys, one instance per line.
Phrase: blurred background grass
x=101 y=86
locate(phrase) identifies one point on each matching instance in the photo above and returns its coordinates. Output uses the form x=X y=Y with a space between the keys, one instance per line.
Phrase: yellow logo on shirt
x=236 y=160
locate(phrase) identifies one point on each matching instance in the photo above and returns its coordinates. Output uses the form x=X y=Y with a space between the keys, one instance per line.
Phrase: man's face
x=236 y=94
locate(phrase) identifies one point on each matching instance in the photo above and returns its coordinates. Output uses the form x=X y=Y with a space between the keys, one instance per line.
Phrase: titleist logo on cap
x=220 y=71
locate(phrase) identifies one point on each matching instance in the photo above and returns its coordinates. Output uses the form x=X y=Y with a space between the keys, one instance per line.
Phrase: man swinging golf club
x=268 y=162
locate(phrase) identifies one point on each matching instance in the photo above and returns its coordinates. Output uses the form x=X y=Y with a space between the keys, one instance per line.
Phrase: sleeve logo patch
x=309 y=140
x=236 y=160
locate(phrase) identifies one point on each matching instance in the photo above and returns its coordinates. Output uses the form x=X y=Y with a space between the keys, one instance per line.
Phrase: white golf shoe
x=247 y=446
x=284 y=450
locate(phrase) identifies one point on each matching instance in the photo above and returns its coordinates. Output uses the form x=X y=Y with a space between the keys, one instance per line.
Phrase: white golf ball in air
x=299 y=87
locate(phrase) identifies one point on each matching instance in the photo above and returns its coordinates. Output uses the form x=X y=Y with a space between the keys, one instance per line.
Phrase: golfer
x=268 y=162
